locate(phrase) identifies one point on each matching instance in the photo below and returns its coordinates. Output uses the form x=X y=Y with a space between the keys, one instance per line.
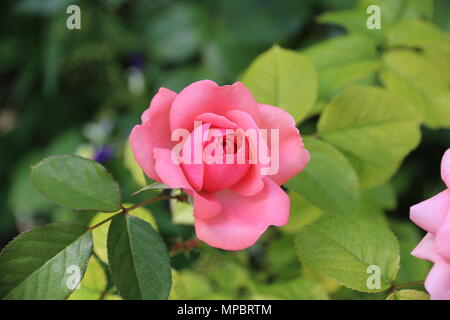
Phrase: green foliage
x=371 y=125
x=419 y=82
x=138 y=259
x=342 y=61
x=329 y=181
x=100 y=234
x=285 y=79
x=358 y=97
x=76 y=183
x=299 y=289
x=393 y=12
x=408 y=294
x=37 y=264
x=344 y=248
x=303 y=213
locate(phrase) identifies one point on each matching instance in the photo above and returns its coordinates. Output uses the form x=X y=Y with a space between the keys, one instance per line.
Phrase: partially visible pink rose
x=233 y=203
x=433 y=215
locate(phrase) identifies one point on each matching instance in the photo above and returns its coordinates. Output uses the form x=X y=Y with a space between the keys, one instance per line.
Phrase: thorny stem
x=137 y=205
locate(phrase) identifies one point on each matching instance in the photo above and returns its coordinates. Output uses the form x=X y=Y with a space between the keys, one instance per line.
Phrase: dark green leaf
x=344 y=248
x=45 y=262
x=76 y=183
x=138 y=259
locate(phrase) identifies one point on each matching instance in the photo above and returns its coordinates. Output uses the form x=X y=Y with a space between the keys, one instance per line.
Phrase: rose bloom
x=234 y=203
x=433 y=215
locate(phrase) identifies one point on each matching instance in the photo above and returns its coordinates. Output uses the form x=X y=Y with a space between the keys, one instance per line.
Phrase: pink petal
x=159 y=106
x=426 y=249
x=243 y=220
x=443 y=241
x=430 y=213
x=293 y=158
x=169 y=172
x=206 y=96
x=223 y=176
x=216 y=120
x=252 y=183
x=438 y=281
x=153 y=133
x=206 y=205
x=445 y=168
x=192 y=167
x=232 y=167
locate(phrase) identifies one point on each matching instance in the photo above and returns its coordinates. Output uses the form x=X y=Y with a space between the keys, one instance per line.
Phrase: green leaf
x=341 y=50
x=382 y=196
x=343 y=60
x=153 y=186
x=392 y=12
x=408 y=294
x=45 y=263
x=343 y=249
x=285 y=79
x=414 y=33
x=370 y=174
x=329 y=181
x=371 y=124
x=419 y=82
x=76 y=183
x=433 y=42
x=100 y=234
x=138 y=259
x=334 y=80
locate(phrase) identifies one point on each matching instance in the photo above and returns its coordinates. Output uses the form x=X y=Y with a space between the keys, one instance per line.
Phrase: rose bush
x=234 y=203
x=433 y=215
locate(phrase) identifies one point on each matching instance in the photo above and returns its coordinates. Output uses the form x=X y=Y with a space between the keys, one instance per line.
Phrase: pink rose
x=234 y=201
x=433 y=215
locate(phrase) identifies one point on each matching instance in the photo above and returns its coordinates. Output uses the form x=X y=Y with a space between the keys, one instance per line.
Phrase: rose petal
x=445 y=168
x=206 y=96
x=216 y=121
x=443 y=241
x=206 y=205
x=292 y=158
x=242 y=220
x=430 y=213
x=252 y=183
x=153 y=133
x=437 y=282
x=192 y=165
x=169 y=172
x=426 y=249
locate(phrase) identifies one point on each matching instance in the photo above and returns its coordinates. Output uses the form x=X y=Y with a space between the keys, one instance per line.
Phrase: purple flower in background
x=103 y=154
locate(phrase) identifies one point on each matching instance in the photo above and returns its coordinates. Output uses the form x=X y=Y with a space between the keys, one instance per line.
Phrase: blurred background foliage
x=81 y=91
